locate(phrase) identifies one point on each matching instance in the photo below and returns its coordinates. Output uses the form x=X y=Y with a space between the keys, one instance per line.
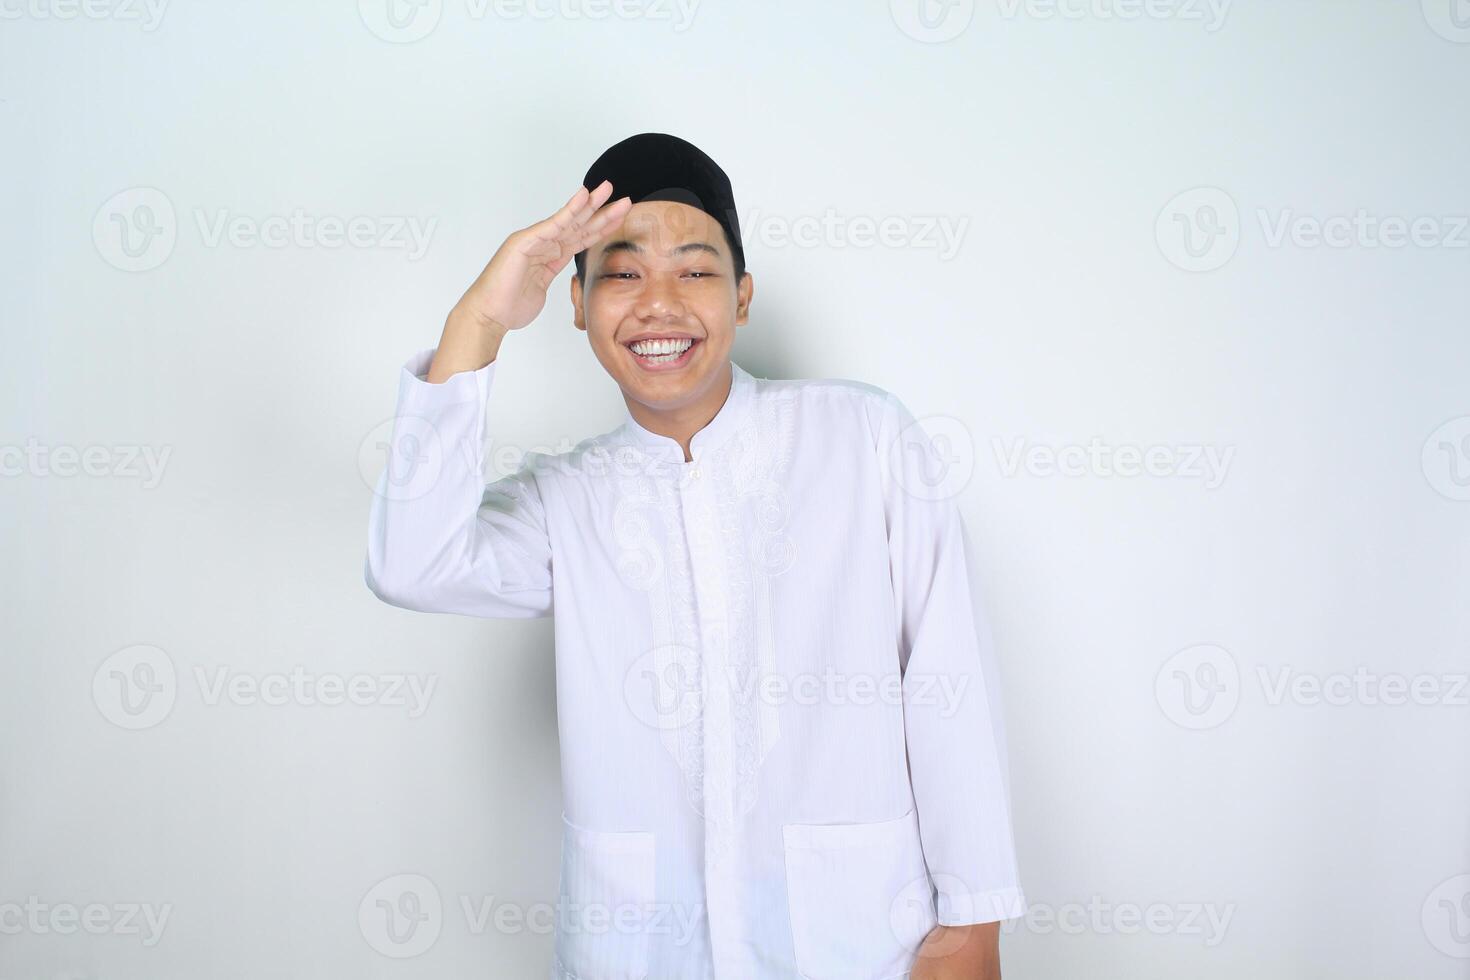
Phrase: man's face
x=666 y=273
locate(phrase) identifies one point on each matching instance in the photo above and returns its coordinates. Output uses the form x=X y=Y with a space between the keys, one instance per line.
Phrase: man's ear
x=743 y=295
x=579 y=320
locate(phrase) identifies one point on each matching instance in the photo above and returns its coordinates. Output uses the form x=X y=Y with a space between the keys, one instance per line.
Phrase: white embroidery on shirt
x=745 y=521
x=754 y=513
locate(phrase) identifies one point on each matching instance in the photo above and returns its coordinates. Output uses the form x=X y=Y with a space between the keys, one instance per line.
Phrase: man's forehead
x=687 y=248
x=665 y=228
x=667 y=221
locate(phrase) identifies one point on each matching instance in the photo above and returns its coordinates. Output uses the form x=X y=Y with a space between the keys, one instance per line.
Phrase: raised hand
x=511 y=291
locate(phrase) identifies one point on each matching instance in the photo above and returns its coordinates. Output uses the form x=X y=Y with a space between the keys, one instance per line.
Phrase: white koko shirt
x=778 y=758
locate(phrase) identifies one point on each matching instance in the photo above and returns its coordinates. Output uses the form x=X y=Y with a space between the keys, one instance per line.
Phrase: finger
x=605 y=220
x=574 y=204
x=565 y=217
x=568 y=226
x=556 y=265
x=576 y=236
x=599 y=228
x=609 y=214
x=599 y=194
x=592 y=201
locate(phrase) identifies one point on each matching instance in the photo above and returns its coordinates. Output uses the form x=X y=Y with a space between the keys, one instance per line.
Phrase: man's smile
x=665 y=352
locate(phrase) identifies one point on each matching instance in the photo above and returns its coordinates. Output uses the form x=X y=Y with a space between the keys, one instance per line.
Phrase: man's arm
x=954 y=740
x=960 y=953
x=439 y=540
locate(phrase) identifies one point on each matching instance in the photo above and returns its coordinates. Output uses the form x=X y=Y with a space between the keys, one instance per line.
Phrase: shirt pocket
x=859 y=898
x=604 y=901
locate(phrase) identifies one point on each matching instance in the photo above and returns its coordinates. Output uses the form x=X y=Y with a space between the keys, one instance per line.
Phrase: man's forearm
x=468 y=343
x=960 y=953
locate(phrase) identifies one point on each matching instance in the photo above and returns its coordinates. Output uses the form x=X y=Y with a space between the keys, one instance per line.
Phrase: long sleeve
x=954 y=736
x=439 y=539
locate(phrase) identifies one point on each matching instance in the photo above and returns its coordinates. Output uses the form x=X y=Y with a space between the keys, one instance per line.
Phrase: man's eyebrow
x=623 y=245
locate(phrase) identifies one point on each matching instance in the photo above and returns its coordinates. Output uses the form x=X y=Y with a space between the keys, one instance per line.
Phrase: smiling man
x=779 y=757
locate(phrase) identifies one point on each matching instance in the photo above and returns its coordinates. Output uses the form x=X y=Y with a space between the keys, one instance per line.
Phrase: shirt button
x=697 y=472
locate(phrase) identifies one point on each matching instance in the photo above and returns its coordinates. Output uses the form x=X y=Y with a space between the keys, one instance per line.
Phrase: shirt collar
x=715 y=432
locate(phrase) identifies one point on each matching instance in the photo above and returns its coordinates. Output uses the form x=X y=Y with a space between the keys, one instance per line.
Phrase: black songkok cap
x=660 y=167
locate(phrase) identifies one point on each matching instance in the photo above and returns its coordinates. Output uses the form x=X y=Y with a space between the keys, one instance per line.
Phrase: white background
x=1163 y=782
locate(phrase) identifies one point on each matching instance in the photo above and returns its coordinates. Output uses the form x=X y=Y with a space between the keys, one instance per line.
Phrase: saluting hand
x=511 y=291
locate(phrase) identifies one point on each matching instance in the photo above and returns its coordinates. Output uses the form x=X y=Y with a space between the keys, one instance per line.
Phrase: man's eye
x=614 y=275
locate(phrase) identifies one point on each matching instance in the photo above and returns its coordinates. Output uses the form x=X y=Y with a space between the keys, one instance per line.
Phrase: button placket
x=707 y=566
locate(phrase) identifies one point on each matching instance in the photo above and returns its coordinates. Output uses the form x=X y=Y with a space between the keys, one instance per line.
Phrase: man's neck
x=681 y=423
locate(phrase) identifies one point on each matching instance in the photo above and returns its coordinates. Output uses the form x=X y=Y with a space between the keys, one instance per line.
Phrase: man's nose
x=660 y=297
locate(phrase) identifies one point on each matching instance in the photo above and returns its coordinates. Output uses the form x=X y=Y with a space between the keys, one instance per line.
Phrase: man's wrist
x=470 y=320
x=470 y=341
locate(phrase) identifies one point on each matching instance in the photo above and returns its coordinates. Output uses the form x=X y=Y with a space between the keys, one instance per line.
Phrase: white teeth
x=663 y=350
